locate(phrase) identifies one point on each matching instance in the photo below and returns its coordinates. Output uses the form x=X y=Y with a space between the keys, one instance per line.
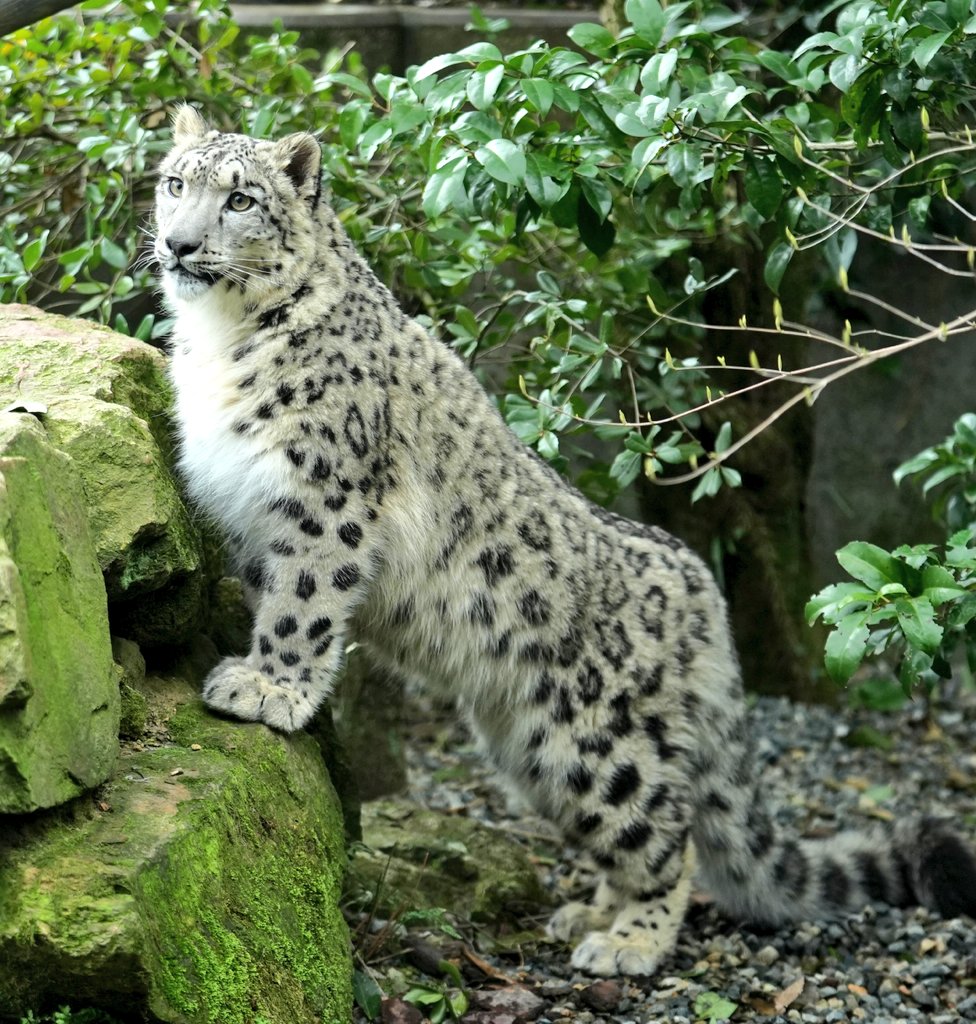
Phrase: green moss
x=415 y=858
x=290 y=927
x=131 y=668
x=59 y=729
x=210 y=887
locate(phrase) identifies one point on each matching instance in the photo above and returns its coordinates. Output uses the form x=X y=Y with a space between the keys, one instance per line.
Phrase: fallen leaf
x=486 y=968
x=788 y=995
x=774 y=1004
x=933 y=734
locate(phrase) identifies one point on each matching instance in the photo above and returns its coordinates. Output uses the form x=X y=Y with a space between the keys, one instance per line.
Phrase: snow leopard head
x=234 y=213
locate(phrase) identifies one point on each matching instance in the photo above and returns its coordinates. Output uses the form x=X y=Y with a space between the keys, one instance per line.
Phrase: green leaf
x=648 y=19
x=684 y=161
x=598 y=196
x=445 y=188
x=916 y=616
x=470 y=54
x=776 y=263
x=545 y=190
x=97 y=143
x=941 y=475
x=421 y=996
x=597 y=233
x=113 y=254
x=351 y=121
x=626 y=467
x=939 y=585
x=708 y=486
x=764 y=185
x=846 y=647
x=642 y=118
x=879 y=794
x=548 y=445
x=350 y=82
x=869 y=564
x=374 y=137
x=915 y=465
x=32 y=254
x=594 y=38
x=459 y=1004
x=539 y=93
x=406 y=115
x=483 y=85
x=928 y=48
x=656 y=73
x=780 y=64
x=906 y=122
x=844 y=70
x=711 y=1006
x=368 y=995
x=915 y=666
x=503 y=160
x=832 y=600
x=724 y=438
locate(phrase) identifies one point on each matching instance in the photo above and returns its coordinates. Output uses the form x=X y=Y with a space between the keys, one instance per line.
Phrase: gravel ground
x=825 y=769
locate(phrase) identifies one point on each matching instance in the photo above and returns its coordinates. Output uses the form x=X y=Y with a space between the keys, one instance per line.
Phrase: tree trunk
x=756 y=537
x=15 y=14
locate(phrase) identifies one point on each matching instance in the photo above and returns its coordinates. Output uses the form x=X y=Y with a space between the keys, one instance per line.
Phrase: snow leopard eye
x=239 y=202
x=174 y=186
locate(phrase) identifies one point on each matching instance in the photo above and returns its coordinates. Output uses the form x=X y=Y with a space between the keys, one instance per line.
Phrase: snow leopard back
x=370 y=491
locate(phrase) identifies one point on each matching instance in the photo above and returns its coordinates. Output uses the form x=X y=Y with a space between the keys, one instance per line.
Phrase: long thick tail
x=758 y=872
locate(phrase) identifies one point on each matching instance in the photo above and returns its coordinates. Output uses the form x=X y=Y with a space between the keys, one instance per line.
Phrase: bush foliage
x=554 y=211
x=917 y=603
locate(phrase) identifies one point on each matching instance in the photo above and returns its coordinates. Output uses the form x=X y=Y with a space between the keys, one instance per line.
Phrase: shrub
x=559 y=213
x=917 y=604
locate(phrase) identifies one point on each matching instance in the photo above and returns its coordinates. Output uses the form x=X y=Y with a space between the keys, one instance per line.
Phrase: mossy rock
x=105 y=399
x=59 y=695
x=149 y=551
x=44 y=357
x=413 y=858
x=202 y=884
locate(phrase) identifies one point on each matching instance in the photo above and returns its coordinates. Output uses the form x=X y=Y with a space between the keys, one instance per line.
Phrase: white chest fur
x=227 y=473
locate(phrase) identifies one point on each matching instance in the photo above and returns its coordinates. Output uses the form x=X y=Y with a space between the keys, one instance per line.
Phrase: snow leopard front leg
x=305 y=594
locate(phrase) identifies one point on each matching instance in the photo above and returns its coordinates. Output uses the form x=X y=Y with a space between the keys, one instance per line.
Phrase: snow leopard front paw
x=573 y=919
x=236 y=688
x=607 y=955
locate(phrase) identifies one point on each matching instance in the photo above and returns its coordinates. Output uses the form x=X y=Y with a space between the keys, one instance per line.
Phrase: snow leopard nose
x=180 y=247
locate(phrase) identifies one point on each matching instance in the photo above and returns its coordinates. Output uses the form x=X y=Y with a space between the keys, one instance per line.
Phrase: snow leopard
x=370 y=492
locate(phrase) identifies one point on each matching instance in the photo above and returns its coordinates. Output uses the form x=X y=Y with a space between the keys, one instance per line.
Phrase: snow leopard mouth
x=185 y=274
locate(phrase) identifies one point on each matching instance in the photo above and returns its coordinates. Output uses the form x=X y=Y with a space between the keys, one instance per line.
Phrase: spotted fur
x=370 y=491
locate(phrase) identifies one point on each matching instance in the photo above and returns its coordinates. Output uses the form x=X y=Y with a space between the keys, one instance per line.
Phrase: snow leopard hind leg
x=632 y=931
x=632 y=815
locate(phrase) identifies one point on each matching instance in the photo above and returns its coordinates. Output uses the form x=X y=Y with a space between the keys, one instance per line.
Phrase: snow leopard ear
x=188 y=125
x=300 y=157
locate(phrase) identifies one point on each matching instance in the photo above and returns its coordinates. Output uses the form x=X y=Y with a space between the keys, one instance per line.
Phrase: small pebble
x=767 y=956
x=602 y=996
x=396 y=1011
